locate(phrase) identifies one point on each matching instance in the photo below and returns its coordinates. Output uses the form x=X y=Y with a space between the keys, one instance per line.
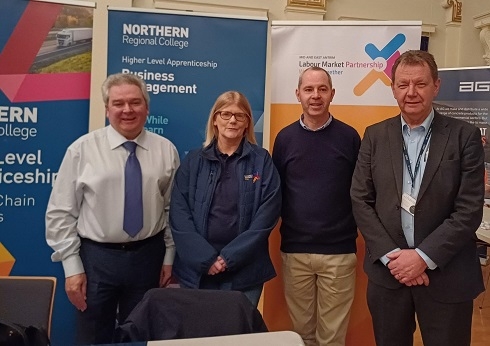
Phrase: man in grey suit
x=417 y=194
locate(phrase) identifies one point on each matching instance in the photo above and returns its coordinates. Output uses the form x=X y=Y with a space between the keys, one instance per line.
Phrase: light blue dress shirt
x=414 y=138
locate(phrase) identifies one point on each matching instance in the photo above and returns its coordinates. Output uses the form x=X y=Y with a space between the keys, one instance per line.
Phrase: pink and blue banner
x=44 y=106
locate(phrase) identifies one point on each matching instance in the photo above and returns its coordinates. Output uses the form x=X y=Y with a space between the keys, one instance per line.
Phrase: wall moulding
x=191 y=6
x=482 y=22
x=456 y=9
x=427 y=28
x=318 y=4
x=305 y=9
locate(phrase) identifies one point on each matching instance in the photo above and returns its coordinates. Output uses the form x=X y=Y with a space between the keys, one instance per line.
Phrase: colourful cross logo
x=387 y=56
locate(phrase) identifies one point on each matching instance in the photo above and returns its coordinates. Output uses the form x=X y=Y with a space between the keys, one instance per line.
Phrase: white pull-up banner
x=357 y=54
x=45 y=62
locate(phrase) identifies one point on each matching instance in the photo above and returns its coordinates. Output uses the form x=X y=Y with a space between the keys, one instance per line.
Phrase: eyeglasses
x=227 y=115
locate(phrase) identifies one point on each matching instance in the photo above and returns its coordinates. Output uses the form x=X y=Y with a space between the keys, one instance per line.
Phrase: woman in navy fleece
x=225 y=202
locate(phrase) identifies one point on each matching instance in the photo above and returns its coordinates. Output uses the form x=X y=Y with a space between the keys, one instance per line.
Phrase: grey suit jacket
x=448 y=210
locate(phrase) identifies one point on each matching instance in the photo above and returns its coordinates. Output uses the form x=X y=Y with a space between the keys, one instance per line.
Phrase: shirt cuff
x=385 y=259
x=169 y=255
x=430 y=263
x=72 y=266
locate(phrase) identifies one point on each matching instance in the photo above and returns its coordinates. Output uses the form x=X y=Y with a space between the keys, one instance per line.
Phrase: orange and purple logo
x=384 y=60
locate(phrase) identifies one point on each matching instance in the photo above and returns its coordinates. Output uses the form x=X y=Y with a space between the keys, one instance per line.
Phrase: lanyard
x=413 y=175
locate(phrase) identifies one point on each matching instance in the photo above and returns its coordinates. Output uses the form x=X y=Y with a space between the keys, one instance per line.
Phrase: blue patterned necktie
x=133 y=196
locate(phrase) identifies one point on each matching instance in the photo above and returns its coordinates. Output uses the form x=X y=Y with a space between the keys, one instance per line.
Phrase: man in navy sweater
x=315 y=157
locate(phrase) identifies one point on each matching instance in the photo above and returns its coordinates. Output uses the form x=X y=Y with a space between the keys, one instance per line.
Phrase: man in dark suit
x=417 y=194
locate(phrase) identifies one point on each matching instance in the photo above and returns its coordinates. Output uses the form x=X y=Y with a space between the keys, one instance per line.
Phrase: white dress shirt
x=87 y=199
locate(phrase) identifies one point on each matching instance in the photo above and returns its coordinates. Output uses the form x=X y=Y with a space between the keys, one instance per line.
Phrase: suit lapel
x=396 y=152
x=438 y=142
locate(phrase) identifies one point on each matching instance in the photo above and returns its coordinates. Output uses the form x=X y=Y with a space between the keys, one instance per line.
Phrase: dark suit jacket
x=448 y=210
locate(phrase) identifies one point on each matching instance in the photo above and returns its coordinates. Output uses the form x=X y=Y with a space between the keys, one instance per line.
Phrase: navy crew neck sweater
x=316 y=169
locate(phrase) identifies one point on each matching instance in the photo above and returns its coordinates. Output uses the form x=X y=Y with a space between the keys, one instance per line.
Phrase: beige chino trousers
x=319 y=291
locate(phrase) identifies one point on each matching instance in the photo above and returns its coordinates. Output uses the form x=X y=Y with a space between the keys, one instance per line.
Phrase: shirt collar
x=425 y=124
x=116 y=139
x=303 y=125
x=238 y=151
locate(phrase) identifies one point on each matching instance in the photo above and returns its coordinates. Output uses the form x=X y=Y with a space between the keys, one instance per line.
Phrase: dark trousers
x=117 y=278
x=394 y=310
